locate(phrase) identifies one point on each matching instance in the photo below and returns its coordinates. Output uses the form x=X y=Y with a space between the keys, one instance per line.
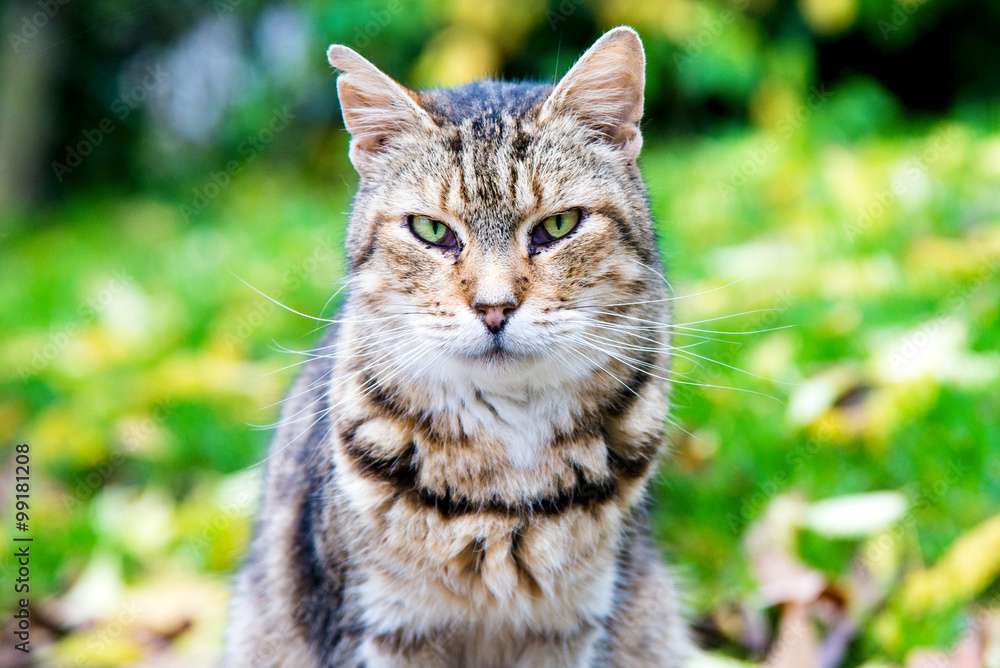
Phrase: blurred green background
x=826 y=179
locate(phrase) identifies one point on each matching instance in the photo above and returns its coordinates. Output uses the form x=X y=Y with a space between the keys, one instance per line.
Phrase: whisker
x=744 y=333
x=271 y=455
x=642 y=328
x=657 y=273
x=369 y=366
x=572 y=349
x=268 y=297
x=662 y=347
x=709 y=359
x=736 y=389
x=375 y=337
x=347 y=280
x=310 y=355
x=663 y=325
x=666 y=299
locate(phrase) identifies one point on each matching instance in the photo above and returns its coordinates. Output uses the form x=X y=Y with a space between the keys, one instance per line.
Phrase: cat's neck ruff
x=520 y=405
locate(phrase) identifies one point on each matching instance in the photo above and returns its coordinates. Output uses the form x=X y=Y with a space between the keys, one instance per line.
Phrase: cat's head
x=502 y=226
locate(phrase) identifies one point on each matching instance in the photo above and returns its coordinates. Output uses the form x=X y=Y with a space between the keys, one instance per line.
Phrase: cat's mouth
x=496 y=352
x=497 y=348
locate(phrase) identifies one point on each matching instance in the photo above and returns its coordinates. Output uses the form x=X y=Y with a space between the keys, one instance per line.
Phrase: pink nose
x=495 y=316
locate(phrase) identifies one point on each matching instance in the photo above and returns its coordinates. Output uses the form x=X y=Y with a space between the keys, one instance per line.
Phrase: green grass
x=134 y=361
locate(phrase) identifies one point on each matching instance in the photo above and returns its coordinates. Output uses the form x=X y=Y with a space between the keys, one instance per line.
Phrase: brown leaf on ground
x=771 y=545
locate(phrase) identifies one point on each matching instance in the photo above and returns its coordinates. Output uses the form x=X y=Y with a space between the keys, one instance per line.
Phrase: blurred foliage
x=828 y=219
x=226 y=65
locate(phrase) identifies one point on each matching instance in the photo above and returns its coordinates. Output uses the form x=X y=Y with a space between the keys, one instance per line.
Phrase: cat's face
x=500 y=226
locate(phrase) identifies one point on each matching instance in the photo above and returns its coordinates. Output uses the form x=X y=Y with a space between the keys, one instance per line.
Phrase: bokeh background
x=826 y=179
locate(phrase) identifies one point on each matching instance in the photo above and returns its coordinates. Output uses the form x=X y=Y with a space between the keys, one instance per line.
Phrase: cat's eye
x=555 y=227
x=433 y=231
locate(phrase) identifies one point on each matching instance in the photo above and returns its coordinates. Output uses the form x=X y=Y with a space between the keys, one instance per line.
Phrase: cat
x=461 y=474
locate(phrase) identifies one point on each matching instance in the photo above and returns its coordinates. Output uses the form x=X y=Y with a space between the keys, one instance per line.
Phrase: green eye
x=432 y=231
x=555 y=227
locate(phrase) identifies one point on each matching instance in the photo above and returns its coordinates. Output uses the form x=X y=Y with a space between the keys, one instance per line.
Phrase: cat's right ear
x=375 y=107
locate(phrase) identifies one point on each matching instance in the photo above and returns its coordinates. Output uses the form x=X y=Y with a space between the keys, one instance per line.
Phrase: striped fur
x=441 y=496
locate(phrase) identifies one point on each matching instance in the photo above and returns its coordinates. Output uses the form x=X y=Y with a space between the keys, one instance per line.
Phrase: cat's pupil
x=434 y=227
x=559 y=222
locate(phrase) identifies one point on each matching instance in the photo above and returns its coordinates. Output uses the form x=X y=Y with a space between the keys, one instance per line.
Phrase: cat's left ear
x=604 y=90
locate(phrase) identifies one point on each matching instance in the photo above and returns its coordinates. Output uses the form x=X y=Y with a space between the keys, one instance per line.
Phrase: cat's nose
x=495 y=316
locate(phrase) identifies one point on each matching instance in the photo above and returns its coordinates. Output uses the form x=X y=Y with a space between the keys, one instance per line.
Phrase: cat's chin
x=504 y=371
x=498 y=356
x=514 y=366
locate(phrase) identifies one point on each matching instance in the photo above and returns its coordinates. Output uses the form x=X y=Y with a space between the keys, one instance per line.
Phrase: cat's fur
x=442 y=496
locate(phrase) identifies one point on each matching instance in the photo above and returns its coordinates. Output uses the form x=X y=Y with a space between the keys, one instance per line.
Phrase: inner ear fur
x=604 y=90
x=375 y=107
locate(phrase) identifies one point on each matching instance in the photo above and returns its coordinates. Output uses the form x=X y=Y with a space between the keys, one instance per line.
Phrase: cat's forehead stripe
x=452 y=107
x=488 y=144
x=489 y=172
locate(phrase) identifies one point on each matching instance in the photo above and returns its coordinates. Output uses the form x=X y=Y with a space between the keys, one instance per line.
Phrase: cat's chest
x=481 y=508
x=517 y=430
x=491 y=450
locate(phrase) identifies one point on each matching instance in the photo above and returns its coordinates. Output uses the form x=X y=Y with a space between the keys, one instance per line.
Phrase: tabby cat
x=460 y=478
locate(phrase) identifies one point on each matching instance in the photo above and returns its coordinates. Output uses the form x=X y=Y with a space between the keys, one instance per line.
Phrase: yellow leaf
x=105 y=645
x=827 y=17
x=968 y=567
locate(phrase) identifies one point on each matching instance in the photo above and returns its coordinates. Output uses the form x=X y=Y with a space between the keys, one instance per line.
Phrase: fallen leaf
x=966 y=569
x=855 y=515
x=796 y=645
x=771 y=544
x=95 y=594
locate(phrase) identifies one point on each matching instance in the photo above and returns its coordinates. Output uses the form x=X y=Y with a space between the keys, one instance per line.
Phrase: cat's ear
x=375 y=107
x=604 y=89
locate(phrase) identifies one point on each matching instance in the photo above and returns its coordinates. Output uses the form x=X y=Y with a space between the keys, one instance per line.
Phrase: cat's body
x=460 y=479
